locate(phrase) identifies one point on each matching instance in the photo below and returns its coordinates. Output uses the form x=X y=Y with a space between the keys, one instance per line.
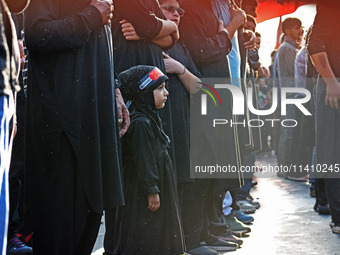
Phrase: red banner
x=268 y=9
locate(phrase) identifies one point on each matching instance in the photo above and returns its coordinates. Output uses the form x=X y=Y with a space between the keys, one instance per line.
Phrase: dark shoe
x=230 y=238
x=222 y=248
x=202 y=251
x=237 y=234
x=312 y=192
x=213 y=241
x=253 y=203
x=323 y=209
x=246 y=219
x=26 y=239
x=245 y=206
x=235 y=225
x=16 y=247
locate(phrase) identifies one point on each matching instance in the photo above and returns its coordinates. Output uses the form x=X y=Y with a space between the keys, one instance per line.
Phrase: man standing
x=285 y=58
x=9 y=68
x=73 y=170
x=324 y=50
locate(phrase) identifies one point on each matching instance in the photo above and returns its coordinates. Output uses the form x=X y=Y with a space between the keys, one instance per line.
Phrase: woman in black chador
x=149 y=223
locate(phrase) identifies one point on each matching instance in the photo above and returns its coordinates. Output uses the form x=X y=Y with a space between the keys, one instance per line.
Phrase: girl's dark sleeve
x=203 y=49
x=143 y=156
x=145 y=22
x=44 y=32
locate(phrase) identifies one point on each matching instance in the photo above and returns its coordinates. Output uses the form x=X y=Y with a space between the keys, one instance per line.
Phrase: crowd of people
x=102 y=122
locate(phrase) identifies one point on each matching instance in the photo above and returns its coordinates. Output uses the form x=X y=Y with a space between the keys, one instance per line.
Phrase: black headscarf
x=137 y=85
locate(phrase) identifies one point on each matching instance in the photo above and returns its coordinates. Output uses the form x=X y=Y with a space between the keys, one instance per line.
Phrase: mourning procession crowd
x=95 y=119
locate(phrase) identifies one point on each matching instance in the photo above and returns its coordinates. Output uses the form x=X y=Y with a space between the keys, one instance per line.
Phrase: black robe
x=209 y=49
x=70 y=93
x=148 y=170
x=145 y=16
x=180 y=109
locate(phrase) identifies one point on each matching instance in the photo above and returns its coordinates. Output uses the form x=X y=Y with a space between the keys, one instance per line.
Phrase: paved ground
x=286 y=223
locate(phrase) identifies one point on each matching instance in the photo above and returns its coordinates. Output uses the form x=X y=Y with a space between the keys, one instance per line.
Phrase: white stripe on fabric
x=5 y=159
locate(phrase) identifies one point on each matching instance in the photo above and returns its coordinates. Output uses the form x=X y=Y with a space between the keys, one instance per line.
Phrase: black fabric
x=324 y=39
x=147 y=170
x=70 y=93
x=333 y=197
x=68 y=225
x=209 y=49
x=145 y=16
x=199 y=32
x=180 y=109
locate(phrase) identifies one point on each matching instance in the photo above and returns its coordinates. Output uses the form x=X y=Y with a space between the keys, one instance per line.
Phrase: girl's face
x=161 y=95
x=172 y=11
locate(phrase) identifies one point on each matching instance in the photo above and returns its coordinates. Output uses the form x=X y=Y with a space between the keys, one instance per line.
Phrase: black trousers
x=202 y=213
x=328 y=148
x=67 y=225
x=333 y=195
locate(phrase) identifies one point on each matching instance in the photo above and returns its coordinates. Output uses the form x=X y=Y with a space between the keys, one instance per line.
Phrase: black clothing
x=180 y=109
x=68 y=224
x=324 y=39
x=145 y=17
x=70 y=94
x=148 y=170
x=209 y=49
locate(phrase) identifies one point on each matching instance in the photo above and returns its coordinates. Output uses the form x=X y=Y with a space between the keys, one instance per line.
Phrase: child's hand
x=154 y=202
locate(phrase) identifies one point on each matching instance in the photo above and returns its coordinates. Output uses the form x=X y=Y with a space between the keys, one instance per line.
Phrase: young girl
x=149 y=223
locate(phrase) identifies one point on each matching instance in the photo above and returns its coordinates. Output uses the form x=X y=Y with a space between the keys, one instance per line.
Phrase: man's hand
x=333 y=94
x=221 y=27
x=238 y=16
x=172 y=65
x=122 y=113
x=250 y=44
x=129 y=31
x=105 y=7
x=154 y=202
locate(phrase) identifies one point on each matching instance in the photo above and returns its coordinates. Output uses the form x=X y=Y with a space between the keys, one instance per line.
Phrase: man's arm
x=318 y=53
x=321 y=63
x=46 y=34
x=163 y=39
x=190 y=81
